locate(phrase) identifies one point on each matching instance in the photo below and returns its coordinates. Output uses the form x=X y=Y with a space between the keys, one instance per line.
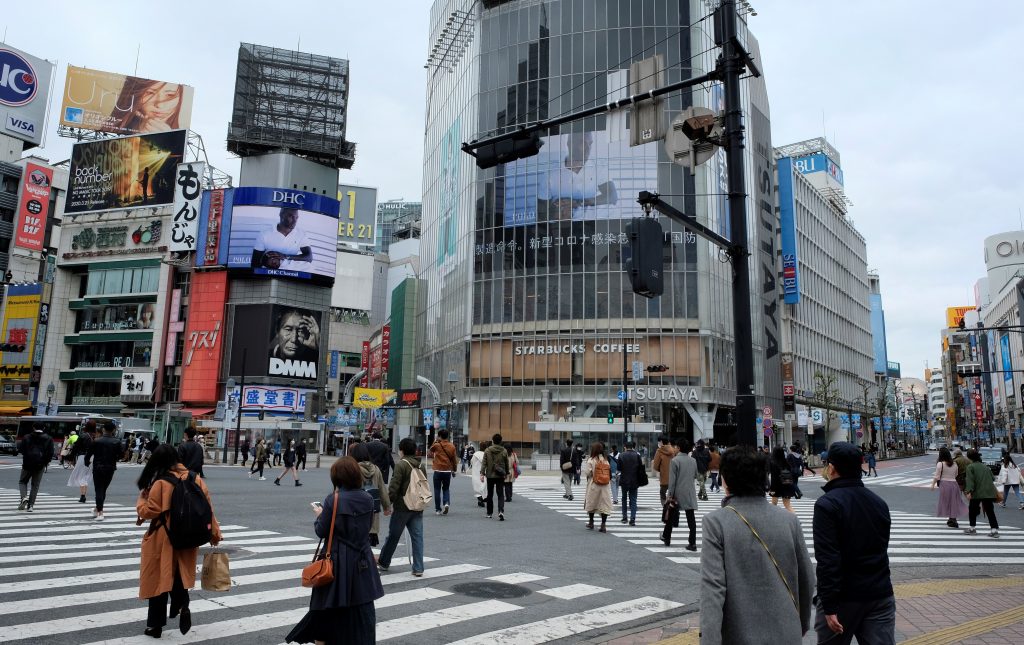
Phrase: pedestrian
x=151 y=446
x=851 y=545
x=137 y=452
x=681 y=494
x=756 y=579
x=597 y=498
x=166 y=572
x=127 y=447
x=190 y=452
x=1009 y=478
x=259 y=459
x=402 y=518
x=277 y=452
x=823 y=456
x=981 y=494
x=714 y=463
x=951 y=500
x=513 y=472
x=36 y=449
x=476 y=468
x=703 y=458
x=568 y=470
x=289 y=465
x=781 y=479
x=495 y=468
x=245 y=451
x=102 y=458
x=343 y=611
x=872 y=462
x=373 y=482
x=796 y=466
x=81 y=476
x=381 y=455
x=662 y=458
x=962 y=463
x=300 y=455
x=443 y=454
x=630 y=466
x=467 y=455
x=577 y=463
x=613 y=461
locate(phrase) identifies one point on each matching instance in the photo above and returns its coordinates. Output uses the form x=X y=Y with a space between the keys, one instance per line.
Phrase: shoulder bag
x=320 y=571
x=769 y=552
x=641 y=474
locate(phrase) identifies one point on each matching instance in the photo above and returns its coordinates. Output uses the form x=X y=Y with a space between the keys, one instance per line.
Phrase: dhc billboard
x=787 y=221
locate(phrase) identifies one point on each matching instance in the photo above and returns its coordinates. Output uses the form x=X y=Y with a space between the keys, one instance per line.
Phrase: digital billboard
x=125 y=172
x=33 y=205
x=357 y=222
x=19 y=329
x=24 y=94
x=281 y=232
x=124 y=105
x=276 y=341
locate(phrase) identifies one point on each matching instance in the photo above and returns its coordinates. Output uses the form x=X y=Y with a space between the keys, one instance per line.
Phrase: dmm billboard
x=24 y=94
x=278 y=341
x=118 y=104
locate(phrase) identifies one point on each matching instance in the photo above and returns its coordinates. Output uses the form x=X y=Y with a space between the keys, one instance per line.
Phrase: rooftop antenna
x=138 y=48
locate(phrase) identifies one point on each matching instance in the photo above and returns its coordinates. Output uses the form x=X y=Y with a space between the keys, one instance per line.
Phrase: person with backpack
x=444 y=455
x=495 y=468
x=289 y=465
x=102 y=458
x=781 y=481
x=373 y=483
x=681 y=495
x=245 y=451
x=36 y=449
x=409 y=493
x=81 y=476
x=178 y=506
x=796 y=464
x=567 y=467
x=703 y=458
x=513 y=473
x=597 y=472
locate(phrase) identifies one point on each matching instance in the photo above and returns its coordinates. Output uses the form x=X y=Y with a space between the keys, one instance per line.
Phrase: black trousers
x=691 y=523
x=158 y=604
x=300 y=462
x=245 y=456
x=495 y=483
x=508 y=491
x=101 y=480
x=974 y=508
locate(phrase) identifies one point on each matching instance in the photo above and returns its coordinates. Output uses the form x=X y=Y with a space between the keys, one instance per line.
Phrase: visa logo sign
x=20 y=125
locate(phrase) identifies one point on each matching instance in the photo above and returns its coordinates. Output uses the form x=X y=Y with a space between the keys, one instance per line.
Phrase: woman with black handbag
x=781 y=482
x=342 y=610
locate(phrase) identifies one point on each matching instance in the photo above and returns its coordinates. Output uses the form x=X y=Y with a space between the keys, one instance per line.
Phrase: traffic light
x=657 y=368
x=646 y=264
x=507 y=150
x=611 y=417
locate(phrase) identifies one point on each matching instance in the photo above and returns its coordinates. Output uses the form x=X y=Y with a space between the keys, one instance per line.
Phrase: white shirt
x=272 y=240
x=1009 y=475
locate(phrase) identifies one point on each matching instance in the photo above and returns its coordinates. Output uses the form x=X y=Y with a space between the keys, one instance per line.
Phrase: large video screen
x=288 y=339
x=285 y=233
x=580 y=176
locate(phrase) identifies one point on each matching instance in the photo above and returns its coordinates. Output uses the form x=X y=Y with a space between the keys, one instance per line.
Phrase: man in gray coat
x=756 y=576
x=682 y=473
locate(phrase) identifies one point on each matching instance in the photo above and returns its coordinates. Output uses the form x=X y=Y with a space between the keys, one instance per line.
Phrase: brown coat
x=444 y=455
x=159 y=558
x=661 y=462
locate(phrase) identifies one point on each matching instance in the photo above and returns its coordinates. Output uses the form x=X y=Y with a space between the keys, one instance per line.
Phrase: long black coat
x=629 y=469
x=356 y=580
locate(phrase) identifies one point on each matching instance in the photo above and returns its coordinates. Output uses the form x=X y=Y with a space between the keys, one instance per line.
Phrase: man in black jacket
x=565 y=457
x=703 y=458
x=103 y=455
x=380 y=455
x=630 y=466
x=851 y=542
x=300 y=454
x=190 y=453
x=36 y=450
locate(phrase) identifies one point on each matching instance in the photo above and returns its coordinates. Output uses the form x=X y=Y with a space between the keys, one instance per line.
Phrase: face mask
x=826 y=472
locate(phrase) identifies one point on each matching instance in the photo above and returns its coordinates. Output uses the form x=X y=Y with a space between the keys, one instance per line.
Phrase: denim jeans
x=442 y=481
x=615 y=488
x=871 y=622
x=401 y=520
x=714 y=482
x=629 y=501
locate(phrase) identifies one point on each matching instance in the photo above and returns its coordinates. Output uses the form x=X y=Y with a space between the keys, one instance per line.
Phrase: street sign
x=791 y=416
x=818 y=416
x=767 y=422
x=622 y=395
x=759 y=420
x=788 y=389
x=638 y=371
x=767 y=411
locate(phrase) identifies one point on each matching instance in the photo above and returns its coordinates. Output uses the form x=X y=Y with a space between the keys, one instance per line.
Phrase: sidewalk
x=985 y=611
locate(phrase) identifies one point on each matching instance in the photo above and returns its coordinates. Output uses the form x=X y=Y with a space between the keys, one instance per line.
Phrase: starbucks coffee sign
x=665 y=394
x=579 y=347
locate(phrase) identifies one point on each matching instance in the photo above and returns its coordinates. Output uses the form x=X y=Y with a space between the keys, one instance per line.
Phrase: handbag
x=670 y=513
x=641 y=477
x=216 y=574
x=774 y=561
x=320 y=571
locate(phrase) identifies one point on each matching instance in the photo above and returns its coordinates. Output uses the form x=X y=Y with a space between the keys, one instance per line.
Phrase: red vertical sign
x=385 y=353
x=364 y=363
x=33 y=207
x=213 y=219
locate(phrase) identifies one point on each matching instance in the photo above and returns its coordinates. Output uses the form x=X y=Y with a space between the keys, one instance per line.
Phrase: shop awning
x=199 y=412
x=18 y=409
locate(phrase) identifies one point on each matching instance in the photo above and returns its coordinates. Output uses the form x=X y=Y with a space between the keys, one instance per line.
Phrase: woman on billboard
x=146 y=106
x=282 y=246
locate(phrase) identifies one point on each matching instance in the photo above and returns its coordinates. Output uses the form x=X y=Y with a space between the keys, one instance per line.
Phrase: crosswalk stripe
x=397 y=627
x=517 y=578
x=544 y=631
x=134 y=536
x=303 y=544
x=571 y=592
x=81 y=527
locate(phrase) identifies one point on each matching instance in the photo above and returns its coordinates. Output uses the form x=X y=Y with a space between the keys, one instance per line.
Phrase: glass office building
x=529 y=318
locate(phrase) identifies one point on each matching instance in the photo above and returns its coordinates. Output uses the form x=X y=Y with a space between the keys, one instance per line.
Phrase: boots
x=590 y=524
x=298 y=483
x=277 y=482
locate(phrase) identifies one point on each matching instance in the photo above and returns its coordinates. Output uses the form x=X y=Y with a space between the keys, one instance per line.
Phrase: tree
x=826 y=394
x=882 y=404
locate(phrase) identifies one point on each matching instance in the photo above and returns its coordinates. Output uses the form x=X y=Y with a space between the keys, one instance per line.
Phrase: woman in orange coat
x=166 y=571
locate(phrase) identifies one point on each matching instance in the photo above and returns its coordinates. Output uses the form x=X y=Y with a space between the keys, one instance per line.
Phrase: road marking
x=442 y=618
x=966 y=630
x=943 y=587
x=571 y=592
x=517 y=578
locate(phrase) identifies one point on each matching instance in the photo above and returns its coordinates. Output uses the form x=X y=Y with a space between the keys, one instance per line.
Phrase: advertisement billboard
x=188 y=192
x=282 y=232
x=357 y=223
x=787 y=220
x=277 y=341
x=33 y=204
x=123 y=173
x=274 y=398
x=200 y=370
x=955 y=315
x=24 y=94
x=123 y=105
x=19 y=328
x=211 y=224
x=370 y=398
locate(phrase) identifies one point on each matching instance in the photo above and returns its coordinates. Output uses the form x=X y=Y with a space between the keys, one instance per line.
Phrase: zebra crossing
x=884 y=480
x=915 y=539
x=66 y=578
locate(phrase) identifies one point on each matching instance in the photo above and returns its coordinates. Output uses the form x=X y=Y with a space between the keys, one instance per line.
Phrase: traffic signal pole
x=625 y=399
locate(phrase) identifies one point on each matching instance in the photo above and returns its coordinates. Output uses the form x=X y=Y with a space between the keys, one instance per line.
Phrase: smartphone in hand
x=316 y=505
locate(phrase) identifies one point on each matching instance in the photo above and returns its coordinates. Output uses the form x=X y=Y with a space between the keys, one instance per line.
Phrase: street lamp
x=453 y=379
x=51 y=389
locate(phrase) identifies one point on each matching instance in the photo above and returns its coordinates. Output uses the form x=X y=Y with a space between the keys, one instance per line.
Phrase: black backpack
x=34 y=459
x=373 y=492
x=189 y=522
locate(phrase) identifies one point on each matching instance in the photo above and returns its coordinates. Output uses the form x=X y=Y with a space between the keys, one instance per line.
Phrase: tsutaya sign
x=584 y=347
x=672 y=393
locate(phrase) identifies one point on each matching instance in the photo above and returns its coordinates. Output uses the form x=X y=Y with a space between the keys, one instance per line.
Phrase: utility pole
x=238 y=413
x=625 y=397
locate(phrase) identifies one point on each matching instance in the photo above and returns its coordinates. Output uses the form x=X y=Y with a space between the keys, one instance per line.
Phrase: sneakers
x=250 y=475
x=663 y=540
x=99 y=517
x=624 y=520
x=263 y=479
x=691 y=547
x=95 y=513
x=970 y=531
x=501 y=517
x=632 y=523
x=445 y=511
x=28 y=508
x=488 y=517
x=571 y=498
x=994 y=533
x=437 y=512
x=418 y=574
x=382 y=568
x=23 y=505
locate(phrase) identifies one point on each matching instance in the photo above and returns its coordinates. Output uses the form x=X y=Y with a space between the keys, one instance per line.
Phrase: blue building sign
x=787 y=220
x=819 y=162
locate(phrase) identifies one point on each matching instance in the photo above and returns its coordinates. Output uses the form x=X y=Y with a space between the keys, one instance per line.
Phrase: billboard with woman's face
x=106 y=102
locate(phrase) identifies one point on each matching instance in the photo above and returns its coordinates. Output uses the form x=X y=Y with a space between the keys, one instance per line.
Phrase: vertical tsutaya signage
x=32 y=207
x=187 y=199
x=364 y=364
x=787 y=222
x=24 y=94
x=203 y=345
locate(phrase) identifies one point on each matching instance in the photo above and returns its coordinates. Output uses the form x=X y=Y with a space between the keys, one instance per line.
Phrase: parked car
x=7 y=445
x=992 y=457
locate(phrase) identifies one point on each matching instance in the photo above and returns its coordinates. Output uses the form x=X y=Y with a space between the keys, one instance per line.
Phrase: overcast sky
x=922 y=99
